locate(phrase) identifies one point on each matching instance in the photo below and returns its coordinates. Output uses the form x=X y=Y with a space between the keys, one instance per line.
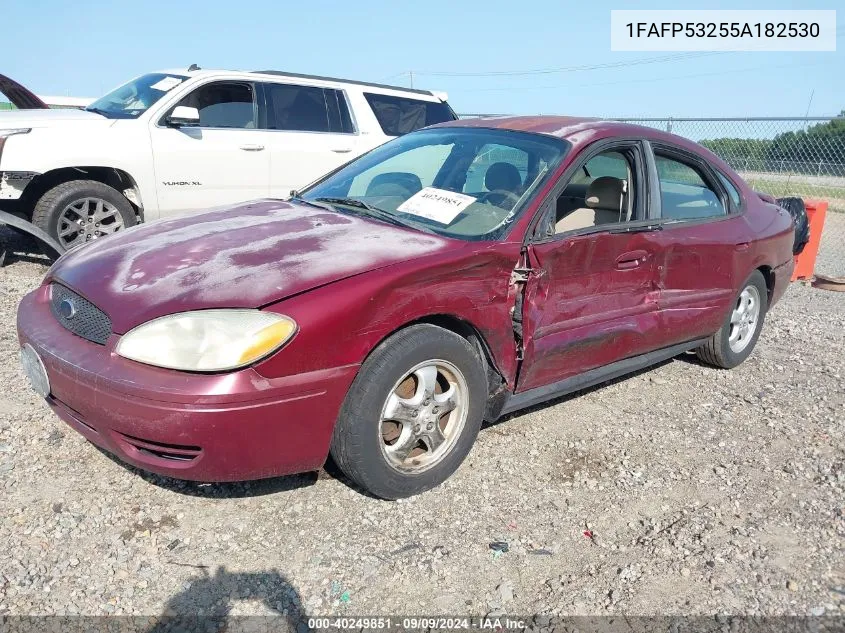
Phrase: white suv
x=174 y=141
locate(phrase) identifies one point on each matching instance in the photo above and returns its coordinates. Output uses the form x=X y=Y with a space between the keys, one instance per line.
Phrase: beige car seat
x=606 y=199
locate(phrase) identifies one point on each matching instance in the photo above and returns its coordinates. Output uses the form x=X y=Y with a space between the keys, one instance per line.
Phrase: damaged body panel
x=523 y=259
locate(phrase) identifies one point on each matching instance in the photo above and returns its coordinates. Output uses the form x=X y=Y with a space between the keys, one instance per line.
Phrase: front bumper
x=235 y=426
x=13 y=183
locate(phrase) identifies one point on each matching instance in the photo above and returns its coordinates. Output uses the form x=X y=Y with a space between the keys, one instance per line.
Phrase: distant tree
x=820 y=149
x=743 y=154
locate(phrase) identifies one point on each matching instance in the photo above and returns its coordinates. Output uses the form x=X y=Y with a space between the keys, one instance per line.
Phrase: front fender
x=124 y=146
x=342 y=322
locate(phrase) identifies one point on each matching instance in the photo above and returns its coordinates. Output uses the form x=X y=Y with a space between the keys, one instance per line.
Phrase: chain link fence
x=800 y=156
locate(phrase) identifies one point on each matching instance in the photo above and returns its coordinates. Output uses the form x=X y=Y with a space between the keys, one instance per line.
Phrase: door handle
x=631 y=259
x=252 y=148
x=742 y=246
x=342 y=150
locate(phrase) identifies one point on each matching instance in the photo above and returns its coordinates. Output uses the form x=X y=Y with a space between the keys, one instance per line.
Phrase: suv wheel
x=412 y=414
x=80 y=211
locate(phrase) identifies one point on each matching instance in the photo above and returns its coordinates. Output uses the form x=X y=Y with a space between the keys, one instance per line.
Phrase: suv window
x=684 y=192
x=600 y=192
x=401 y=115
x=307 y=109
x=224 y=104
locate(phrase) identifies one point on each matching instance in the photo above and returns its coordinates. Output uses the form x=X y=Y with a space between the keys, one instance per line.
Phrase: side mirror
x=183 y=116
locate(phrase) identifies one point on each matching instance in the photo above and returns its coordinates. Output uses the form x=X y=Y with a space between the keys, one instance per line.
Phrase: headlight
x=207 y=340
x=4 y=134
x=17 y=130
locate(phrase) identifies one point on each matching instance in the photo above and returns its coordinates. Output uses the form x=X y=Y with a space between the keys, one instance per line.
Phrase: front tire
x=412 y=413
x=737 y=337
x=80 y=211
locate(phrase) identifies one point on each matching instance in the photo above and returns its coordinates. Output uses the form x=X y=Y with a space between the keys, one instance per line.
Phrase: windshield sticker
x=435 y=204
x=168 y=83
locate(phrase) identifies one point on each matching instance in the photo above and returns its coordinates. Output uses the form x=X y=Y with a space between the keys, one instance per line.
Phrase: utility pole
x=807 y=113
x=411 y=75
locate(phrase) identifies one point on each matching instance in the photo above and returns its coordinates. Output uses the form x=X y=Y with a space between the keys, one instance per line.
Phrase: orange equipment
x=805 y=263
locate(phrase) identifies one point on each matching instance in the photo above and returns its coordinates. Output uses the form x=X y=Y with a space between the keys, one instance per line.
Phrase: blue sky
x=85 y=49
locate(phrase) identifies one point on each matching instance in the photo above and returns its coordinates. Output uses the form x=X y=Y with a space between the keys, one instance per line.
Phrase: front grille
x=79 y=315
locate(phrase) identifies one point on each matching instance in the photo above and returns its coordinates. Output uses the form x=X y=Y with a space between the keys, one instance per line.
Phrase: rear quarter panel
x=772 y=246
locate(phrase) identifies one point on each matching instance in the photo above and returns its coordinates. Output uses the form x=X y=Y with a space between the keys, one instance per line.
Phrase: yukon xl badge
x=181 y=183
x=67 y=309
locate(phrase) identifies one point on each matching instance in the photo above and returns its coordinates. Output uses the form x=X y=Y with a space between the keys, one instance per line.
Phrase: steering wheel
x=498 y=197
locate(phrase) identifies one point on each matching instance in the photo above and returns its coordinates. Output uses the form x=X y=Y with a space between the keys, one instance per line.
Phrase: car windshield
x=131 y=100
x=468 y=183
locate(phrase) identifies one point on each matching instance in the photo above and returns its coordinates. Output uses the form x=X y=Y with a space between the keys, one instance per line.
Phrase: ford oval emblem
x=67 y=309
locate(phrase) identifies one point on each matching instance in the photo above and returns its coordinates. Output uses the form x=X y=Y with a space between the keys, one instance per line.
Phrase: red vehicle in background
x=450 y=276
x=18 y=96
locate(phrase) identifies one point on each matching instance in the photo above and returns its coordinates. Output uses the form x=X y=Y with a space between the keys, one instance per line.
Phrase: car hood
x=245 y=256
x=49 y=118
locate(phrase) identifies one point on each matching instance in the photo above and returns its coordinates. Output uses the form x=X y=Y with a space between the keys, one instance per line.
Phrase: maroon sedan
x=450 y=276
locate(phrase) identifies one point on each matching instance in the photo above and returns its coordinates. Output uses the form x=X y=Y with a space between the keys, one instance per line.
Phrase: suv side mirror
x=183 y=116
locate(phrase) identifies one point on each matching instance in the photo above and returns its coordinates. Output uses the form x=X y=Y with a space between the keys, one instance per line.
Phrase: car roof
x=274 y=75
x=581 y=131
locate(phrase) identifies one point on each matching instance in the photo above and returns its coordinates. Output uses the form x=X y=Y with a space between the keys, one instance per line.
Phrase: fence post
x=669 y=125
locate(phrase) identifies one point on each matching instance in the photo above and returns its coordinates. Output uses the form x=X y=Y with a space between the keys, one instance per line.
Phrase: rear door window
x=684 y=192
x=401 y=115
x=306 y=109
x=733 y=192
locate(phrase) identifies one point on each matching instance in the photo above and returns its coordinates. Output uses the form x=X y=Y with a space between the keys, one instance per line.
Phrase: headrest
x=605 y=192
x=394 y=183
x=502 y=176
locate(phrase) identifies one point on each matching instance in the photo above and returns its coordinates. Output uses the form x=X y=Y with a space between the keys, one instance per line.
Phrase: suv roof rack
x=346 y=81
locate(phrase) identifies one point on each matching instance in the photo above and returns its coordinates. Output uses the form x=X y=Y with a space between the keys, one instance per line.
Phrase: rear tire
x=79 y=211
x=737 y=337
x=412 y=413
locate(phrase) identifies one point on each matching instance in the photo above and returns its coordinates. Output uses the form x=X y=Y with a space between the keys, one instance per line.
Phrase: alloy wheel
x=423 y=416
x=87 y=219
x=744 y=319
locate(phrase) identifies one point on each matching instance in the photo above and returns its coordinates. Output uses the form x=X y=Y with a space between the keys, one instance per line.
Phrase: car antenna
x=193 y=67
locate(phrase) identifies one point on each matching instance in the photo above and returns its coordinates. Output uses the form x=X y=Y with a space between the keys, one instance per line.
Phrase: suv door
x=310 y=133
x=705 y=253
x=590 y=297
x=222 y=160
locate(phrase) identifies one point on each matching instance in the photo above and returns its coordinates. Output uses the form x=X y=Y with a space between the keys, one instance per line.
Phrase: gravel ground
x=679 y=490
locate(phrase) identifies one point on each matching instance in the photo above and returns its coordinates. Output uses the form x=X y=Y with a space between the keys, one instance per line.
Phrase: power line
x=840 y=32
x=567 y=69
x=631 y=81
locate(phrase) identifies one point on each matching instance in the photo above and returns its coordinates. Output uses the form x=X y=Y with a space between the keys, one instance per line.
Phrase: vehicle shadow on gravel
x=693 y=359
x=221 y=490
x=241 y=489
x=18 y=247
x=207 y=602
